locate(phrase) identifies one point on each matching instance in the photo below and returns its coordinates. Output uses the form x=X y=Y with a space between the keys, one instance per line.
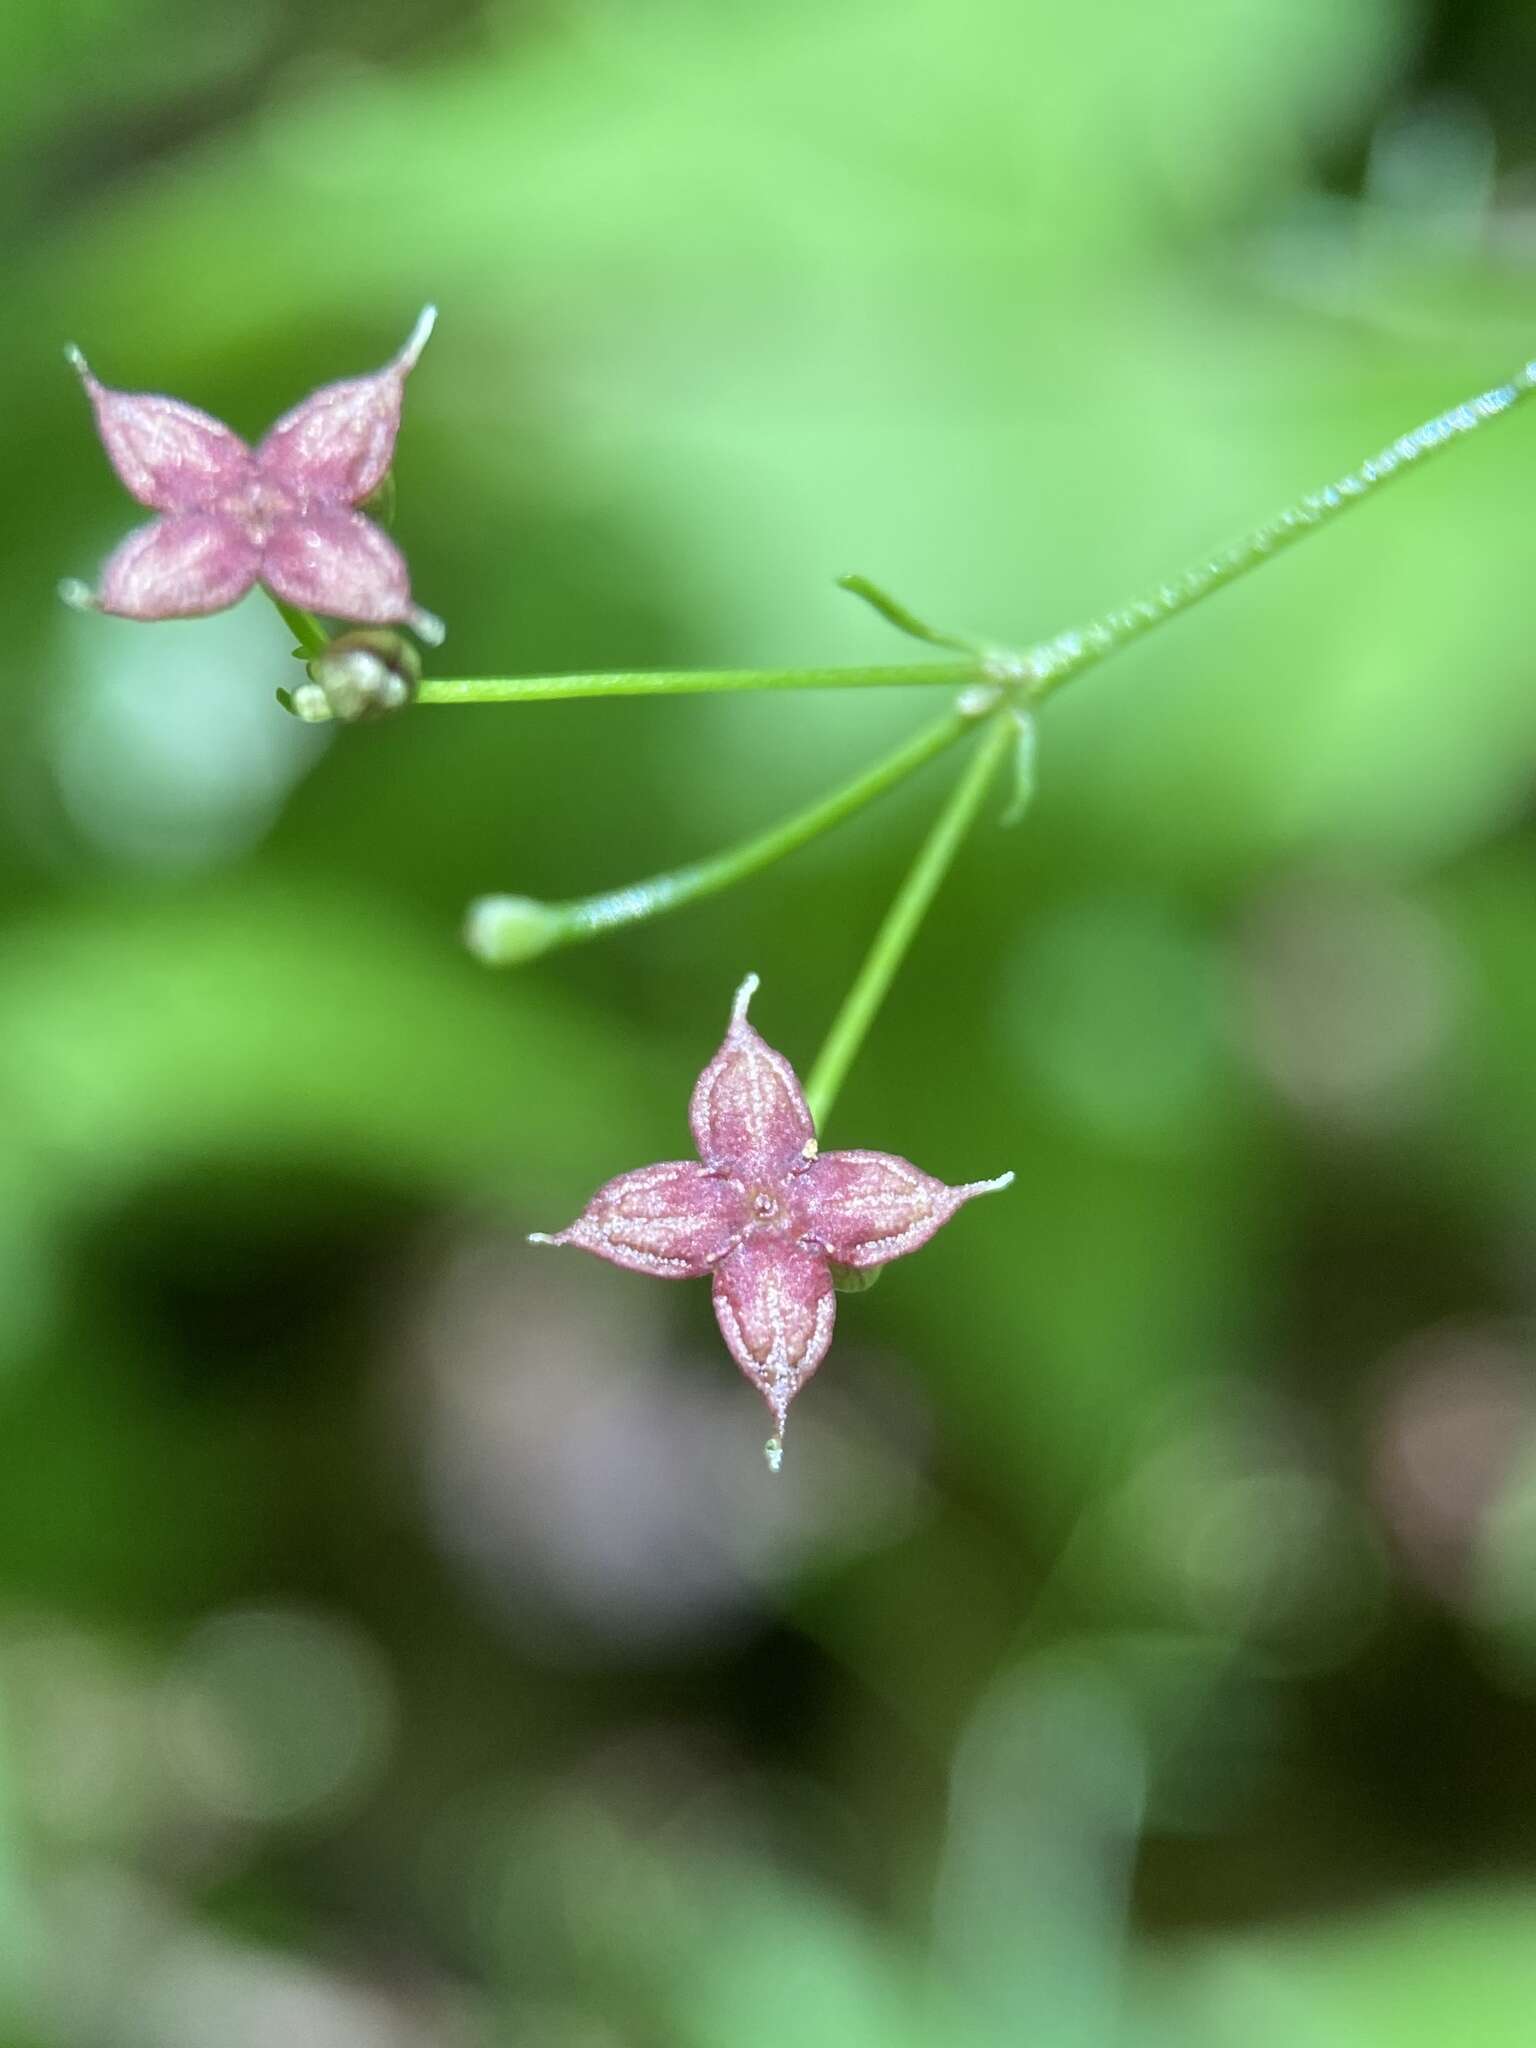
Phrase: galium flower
x=282 y=514
x=765 y=1214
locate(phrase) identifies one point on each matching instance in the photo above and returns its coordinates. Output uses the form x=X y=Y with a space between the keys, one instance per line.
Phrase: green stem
x=506 y=930
x=900 y=924
x=304 y=627
x=1053 y=662
x=687 y=682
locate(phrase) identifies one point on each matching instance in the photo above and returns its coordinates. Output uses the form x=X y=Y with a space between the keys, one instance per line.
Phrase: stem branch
x=506 y=930
x=304 y=627
x=901 y=922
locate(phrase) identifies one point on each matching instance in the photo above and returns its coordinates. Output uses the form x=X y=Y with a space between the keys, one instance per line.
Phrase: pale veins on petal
x=867 y=1208
x=284 y=516
x=765 y=1215
x=171 y=456
x=340 y=441
x=775 y=1306
x=338 y=562
x=748 y=1113
x=179 y=567
x=673 y=1220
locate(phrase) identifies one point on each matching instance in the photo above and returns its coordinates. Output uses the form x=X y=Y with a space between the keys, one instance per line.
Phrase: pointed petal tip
x=76 y=360
x=990 y=1187
x=773 y=1453
x=778 y=1397
x=743 y=997
x=78 y=596
x=420 y=335
x=549 y=1237
x=748 y=1111
x=427 y=626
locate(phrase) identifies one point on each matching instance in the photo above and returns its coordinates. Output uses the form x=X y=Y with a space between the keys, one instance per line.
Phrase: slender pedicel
x=306 y=629
x=902 y=921
x=688 y=682
x=504 y=931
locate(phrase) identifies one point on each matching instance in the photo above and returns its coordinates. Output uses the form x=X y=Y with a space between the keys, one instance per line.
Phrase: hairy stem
x=506 y=930
x=901 y=922
x=687 y=682
x=1053 y=662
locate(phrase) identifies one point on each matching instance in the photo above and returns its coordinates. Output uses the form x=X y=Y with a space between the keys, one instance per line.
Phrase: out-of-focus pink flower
x=765 y=1213
x=281 y=514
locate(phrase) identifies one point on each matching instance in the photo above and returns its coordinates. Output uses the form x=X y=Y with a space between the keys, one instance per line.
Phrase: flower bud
x=365 y=674
x=504 y=931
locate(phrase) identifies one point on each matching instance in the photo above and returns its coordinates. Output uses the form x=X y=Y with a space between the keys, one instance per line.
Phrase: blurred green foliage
x=399 y=1640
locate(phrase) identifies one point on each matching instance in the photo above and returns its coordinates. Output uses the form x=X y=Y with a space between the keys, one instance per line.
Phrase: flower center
x=765 y=1205
x=257 y=506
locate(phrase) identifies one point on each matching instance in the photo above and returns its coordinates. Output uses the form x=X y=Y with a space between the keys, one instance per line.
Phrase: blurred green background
x=401 y=1644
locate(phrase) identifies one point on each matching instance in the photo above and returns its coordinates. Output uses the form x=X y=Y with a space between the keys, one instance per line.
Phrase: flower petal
x=339 y=563
x=748 y=1114
x=340 y=441
x=775 y=1306
x=870 y=1207
x=673 y=1220
x=178 y=568
x=170 y=455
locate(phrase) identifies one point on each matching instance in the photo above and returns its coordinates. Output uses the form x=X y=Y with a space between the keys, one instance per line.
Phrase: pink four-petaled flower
x=765 y=1214
x=281 y=514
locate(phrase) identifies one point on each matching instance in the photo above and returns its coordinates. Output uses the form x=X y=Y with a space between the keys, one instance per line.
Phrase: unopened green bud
x=364 y=674
x=504 y=931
